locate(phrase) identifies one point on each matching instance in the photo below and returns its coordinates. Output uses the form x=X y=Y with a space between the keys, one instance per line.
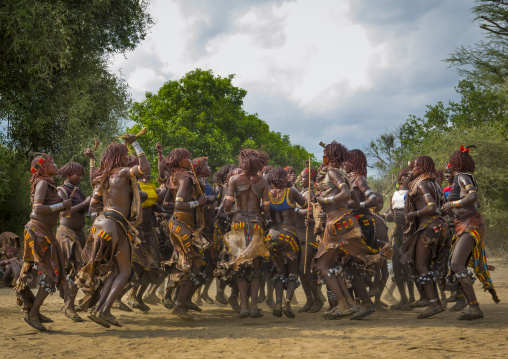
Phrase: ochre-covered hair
x=199 y=163
x=403 y=172
x=170 y=162
x=70 y=169
x=266 y=169
x=336 y=153
x=358 y=161
x=426 y=163
x=439 y=174
x=220 y=177
x=313 y=173
x=277 y=177
x=289 y=169
x=462 y=162
x=252 y=161
x=111 y=159
x=40 y=165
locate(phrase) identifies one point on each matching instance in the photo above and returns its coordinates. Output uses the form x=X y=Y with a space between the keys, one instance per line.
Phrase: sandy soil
x=217 y=333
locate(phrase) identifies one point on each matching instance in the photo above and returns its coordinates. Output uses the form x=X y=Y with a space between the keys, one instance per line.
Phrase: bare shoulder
x=335 y=176
x=362 y=184
x=62 y=192
x=234 y=180
x=464 y=180
x=184 y=180
x=423 y=186
x=41 y=185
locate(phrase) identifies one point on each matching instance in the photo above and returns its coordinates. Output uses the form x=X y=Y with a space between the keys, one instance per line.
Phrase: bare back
x=117 y=194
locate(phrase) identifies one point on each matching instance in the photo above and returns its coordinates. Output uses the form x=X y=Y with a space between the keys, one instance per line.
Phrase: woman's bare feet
x=473 y=312
x=307 y=305
x=287 y=311
x=433 y=309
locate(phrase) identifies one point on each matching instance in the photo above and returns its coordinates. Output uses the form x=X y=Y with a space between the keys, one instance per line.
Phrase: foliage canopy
x=204 y=114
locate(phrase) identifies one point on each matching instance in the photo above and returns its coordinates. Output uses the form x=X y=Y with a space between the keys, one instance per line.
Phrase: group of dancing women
x=262 y=231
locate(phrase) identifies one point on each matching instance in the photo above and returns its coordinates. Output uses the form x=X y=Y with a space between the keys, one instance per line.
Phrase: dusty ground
x=216 y=332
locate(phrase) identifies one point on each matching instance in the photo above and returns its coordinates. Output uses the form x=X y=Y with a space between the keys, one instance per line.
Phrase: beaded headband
x=39 y=163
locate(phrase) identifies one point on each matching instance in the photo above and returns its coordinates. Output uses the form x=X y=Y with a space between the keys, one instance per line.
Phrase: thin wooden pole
x=307 y=228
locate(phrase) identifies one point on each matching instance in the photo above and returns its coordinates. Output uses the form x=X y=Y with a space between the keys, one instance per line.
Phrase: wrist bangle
x=56 y=207
x=135 y=145
x=193 y=204
x=92 y=162
x=362 y=204
x=329 y=200
x=418 y=213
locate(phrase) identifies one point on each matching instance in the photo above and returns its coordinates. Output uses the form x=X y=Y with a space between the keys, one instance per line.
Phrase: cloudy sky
x=318 y=70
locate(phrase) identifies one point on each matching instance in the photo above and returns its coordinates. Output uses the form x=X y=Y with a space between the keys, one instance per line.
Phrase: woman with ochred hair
x=41 y=246
x=469 y=233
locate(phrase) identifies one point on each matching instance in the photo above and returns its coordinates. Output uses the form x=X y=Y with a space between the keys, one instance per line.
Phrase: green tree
x=204 y=113
x=486 y=60
x=56 y=91
x=478 y=118
x=490 y=173
x=53 y=68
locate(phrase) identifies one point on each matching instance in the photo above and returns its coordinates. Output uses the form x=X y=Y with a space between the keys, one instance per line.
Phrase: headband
x=197 y=161
x=39 y=163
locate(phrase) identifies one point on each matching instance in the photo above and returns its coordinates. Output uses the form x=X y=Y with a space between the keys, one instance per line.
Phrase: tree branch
x=504 y=29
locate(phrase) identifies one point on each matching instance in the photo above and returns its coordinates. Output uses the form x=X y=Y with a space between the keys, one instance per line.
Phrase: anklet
x=433 y=300
x=473 y=302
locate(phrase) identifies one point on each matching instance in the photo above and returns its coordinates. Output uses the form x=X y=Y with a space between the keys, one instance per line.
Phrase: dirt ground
x=218 y=333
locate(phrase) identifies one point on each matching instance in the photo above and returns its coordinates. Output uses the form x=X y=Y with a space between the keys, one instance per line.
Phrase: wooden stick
x=307 y=229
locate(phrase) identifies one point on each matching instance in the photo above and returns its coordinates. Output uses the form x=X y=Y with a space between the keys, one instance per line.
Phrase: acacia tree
x=486 y=60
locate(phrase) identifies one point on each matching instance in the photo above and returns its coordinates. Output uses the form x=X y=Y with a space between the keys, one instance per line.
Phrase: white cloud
x=143 y=79
x=316 y=70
